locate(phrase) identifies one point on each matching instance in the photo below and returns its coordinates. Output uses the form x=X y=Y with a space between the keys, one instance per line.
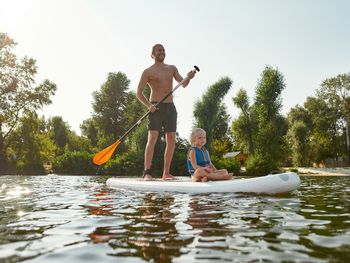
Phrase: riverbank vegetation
x=31 y=144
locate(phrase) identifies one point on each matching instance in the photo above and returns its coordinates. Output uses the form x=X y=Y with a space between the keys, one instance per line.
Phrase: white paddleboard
x=269 y=184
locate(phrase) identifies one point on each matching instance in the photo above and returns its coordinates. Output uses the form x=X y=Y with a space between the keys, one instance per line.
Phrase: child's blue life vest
x=202 y=158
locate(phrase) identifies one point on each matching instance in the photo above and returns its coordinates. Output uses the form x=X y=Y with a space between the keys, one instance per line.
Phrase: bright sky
x=77 y=43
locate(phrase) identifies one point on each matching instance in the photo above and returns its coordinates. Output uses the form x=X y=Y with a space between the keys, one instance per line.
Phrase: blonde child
x=198 y=160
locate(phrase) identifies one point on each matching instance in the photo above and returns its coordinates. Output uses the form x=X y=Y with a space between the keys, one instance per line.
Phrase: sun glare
x=17 y=192
x=13 y=13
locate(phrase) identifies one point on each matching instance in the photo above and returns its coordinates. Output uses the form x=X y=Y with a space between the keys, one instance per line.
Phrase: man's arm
x=178 y=77
x=140 y=88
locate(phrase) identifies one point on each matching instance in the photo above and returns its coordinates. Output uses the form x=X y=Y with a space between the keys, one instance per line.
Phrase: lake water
x=80 y=219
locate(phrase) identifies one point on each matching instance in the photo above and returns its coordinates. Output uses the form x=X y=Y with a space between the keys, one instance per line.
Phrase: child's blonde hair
x=195 y=132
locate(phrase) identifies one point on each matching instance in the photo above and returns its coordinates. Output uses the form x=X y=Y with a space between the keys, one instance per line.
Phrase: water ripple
x=79 y=219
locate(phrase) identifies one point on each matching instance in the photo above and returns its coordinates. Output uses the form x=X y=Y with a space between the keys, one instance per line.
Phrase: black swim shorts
x=165 y=116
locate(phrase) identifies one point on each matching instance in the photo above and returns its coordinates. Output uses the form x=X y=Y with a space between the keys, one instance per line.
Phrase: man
x=160 y=77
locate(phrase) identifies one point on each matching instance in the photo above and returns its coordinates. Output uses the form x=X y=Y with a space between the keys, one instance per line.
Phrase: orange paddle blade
x=106 y=154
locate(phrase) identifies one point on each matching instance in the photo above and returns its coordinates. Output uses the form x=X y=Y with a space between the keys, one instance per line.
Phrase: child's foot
x=204 y=179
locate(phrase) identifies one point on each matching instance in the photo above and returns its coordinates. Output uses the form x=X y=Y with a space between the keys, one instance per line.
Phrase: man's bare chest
x=161 y=77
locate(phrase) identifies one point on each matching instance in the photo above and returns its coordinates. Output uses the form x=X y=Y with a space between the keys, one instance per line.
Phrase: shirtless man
x=160 y=77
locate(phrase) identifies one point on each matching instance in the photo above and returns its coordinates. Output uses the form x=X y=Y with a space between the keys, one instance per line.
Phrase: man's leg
x=149 y=151
x=168 y=154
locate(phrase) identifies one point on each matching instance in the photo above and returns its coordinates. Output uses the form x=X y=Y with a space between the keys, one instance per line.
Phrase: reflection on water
x=79 y=219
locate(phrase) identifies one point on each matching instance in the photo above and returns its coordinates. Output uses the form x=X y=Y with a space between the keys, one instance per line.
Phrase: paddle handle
x=148 y=112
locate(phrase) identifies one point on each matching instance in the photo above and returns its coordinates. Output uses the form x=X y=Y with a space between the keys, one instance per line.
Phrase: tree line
x=32 y=144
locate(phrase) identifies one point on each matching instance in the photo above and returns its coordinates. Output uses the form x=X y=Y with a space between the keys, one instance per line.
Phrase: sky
x=76 y=43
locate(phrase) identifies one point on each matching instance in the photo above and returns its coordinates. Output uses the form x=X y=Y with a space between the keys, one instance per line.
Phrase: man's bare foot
x=168 y=177
x=230 y=176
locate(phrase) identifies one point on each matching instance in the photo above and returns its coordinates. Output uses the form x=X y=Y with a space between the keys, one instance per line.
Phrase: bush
x=127 y=164
x=74 y=163
x=231 y=165
x=258 y=165
x=25 y=168
x=294 y=170
x=113 y=167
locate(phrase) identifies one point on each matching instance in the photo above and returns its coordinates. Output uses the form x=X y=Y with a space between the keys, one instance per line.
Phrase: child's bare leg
x=220 y=175
x=221 y=171
x=203 y=175
x=196 y=178
x=200 y=175
x=224 y=172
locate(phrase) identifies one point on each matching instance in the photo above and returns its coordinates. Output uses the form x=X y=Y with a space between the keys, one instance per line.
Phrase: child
x=198 y=161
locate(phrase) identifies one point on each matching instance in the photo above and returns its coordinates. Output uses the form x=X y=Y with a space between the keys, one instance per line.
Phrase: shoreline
x=337 y=171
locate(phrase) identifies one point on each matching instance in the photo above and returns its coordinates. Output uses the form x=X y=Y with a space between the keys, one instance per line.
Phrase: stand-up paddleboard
x=269 y=184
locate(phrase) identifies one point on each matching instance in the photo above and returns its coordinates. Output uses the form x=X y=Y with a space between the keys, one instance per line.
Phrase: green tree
x=90 y=130
x=210 y=113
x=74 y=162
x=115 y=109
x=300 y=125
x=335 y=92
x=243 y=127
x=78 y=143
x=18 y=93
x=65 y=138
x=32 y=145
x=271 y=126
x=324 y=132
x=59 y=131
x=260 y=127
x=298 y=133
x=110 y=104
x=112 y=118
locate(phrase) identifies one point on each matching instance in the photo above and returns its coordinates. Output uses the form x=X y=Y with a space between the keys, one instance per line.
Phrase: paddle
x=104 y=155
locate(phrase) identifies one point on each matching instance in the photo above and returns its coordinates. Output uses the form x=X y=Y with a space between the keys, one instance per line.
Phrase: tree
x=324 y=131
x=210 y=113
x=65 y=139
x=300 y=125
x=336 y=93
x=115 y=108
x=271 y=126
x=59 y=131
x=243 y=127
x=109 y=105
x=260 y=127
x=90 y=130
x=298 y=133
x=18 y=93
x=31 y=145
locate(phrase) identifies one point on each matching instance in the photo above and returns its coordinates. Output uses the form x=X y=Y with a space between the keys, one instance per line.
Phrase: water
x=80 y=219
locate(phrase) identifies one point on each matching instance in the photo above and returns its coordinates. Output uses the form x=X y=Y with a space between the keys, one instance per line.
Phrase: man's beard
x=160 y=58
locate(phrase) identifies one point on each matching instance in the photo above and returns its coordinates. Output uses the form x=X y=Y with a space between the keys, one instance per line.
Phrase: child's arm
x=193 y=159
x=211 y=164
